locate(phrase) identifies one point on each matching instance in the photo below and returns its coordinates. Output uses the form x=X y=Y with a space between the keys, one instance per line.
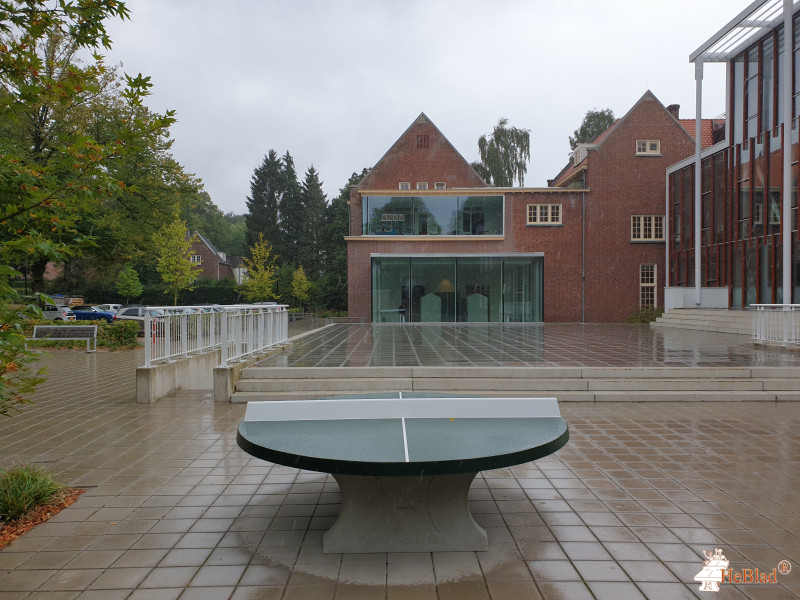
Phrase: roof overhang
x=743 y=30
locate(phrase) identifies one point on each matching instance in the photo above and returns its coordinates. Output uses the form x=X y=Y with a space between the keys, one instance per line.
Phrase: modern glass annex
x=436 y=289
x=432 y=215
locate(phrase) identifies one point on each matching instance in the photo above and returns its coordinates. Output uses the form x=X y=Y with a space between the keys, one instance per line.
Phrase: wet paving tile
x=175 y=509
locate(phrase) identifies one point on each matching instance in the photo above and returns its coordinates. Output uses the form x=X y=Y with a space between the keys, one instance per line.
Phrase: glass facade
x=741 y=245
x=432 y=215
x=441 y=289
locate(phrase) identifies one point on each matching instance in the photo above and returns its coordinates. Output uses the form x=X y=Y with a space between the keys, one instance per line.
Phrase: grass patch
x=23 y=488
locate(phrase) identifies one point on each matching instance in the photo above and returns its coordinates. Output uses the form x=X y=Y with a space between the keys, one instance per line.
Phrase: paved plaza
x=528 y=345
x=174 y=509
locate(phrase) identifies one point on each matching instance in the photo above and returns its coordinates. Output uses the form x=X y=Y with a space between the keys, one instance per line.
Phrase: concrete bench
x=67 y=332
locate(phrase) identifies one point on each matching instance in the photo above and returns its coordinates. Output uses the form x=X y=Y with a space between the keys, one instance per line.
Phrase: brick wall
x=622 y=185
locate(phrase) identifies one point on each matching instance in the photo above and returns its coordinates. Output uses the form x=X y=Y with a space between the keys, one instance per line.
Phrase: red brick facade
x=214 y=266
x=594 y=233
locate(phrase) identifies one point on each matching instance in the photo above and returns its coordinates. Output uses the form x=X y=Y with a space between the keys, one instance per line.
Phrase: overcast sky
x=337 y=82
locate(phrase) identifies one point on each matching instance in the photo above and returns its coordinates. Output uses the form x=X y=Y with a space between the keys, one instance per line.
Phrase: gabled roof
x=422 y=119
x=572 y=170
x=210 y=246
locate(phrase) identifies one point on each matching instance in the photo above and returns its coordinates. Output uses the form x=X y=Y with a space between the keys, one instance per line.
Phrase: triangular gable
x=421 y=154
x=648 y=96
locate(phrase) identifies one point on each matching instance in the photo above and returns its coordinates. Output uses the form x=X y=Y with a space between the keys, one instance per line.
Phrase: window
x=440 y=185
x=644 y=147
x=544 y=214
x=435 y=214
x=405 y=185
x=195 y=259
x=422 y=185
x=422 y=140
x=647 y=286
x=647 y=228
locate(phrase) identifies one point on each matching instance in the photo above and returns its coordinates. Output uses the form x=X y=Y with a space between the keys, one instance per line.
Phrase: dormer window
x=405 y=185
x=422 y=185
x=440 y=185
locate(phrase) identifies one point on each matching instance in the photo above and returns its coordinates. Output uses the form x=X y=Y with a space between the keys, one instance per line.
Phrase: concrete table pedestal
x=405 y=514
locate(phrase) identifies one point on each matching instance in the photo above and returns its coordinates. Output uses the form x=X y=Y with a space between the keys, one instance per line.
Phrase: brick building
x=431 y=242
x=623 y=171
x=214 y=262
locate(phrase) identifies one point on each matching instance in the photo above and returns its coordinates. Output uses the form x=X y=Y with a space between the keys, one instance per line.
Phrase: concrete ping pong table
x=404 y=464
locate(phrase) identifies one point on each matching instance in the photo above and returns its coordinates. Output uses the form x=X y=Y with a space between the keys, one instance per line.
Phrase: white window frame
x=645 y=228
x=440 y=185
x=422 y=185
x=404 y=185
x=544 y=214
x=648 y=147
x=648 y=283
x=195 y=259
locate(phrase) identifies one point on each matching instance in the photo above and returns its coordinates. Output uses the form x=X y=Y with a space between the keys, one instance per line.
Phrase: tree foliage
x=300 y=285
x=594 y=123
x=311 y=253
x=291 y=214
x=504 y=155
x=266 y=191
x=128 y=284
x=261 y=272
x=56 y=161
x=173 y=247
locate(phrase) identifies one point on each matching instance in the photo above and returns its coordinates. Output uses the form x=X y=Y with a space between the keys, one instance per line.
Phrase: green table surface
x=376 y=446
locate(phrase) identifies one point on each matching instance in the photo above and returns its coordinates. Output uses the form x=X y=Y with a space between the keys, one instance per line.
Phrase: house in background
x=623 y=208
x=214 y=262
x=431 y=242
x=736 y=243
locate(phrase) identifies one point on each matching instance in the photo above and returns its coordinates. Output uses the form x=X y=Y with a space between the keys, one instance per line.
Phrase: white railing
x=240 y=330
x=777 y=323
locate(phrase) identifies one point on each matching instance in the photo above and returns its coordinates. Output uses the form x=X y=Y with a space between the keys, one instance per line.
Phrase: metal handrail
x=776 y=323
x=236 y=330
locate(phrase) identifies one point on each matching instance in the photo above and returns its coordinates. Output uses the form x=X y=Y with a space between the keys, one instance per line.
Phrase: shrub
x=645 y=315
x=23 y=488
x=118 y=335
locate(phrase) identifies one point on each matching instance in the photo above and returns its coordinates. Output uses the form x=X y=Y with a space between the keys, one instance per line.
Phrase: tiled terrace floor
x=532 y=344
x=175 y=510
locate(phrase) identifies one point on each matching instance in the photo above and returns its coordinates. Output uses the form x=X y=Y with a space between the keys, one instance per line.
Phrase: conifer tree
x=290 y=213
x=312 y=249
x=266 y=189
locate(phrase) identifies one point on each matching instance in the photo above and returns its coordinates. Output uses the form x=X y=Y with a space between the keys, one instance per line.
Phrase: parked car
x=93 y=313
x=136 y=313
x=113 y=308
x=58 y=313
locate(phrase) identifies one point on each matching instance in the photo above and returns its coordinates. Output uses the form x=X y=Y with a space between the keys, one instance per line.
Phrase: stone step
x=504 y=373
x=502 y=385
x=572 y=396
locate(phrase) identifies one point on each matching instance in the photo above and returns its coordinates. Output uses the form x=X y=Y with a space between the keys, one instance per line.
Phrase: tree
x=53 y=164
x=504 y=155
x=333 y=284
x=173 y=247
x=300 y=285
x=261 y=272
x=594 y=123
x=291 y=214
x=266 y=189
x=128 y=284
x=311 y=251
